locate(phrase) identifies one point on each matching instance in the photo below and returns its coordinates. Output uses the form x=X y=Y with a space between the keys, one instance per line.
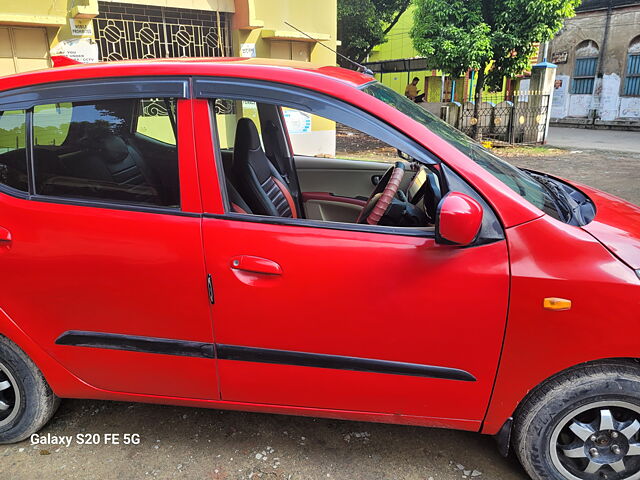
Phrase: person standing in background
x=411 y=92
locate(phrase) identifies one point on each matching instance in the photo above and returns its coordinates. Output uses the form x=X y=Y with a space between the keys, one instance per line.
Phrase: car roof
x=271 y=69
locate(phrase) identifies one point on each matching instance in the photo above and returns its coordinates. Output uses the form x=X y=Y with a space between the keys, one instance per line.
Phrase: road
x=588 y=139
x=215 y=445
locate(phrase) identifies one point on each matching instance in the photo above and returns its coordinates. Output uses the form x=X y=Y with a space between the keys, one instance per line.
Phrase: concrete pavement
x=588 y=139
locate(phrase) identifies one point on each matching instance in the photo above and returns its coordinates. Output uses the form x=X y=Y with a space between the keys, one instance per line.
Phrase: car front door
x=340 y=316
x=104 y=267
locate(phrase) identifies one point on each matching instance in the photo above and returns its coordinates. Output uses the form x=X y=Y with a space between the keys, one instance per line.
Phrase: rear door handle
x=248 y=263
x=5 y=235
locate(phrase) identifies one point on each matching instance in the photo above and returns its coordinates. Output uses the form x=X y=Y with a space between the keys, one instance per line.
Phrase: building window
x=632 y=78
x=584 y=73
x=132 y=31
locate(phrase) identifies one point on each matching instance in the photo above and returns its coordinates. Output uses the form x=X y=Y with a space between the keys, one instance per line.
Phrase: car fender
x=551 y=259
x=62 y=382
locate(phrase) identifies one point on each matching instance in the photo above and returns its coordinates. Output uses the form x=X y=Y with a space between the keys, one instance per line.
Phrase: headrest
x=247 y=137
x=113 y=149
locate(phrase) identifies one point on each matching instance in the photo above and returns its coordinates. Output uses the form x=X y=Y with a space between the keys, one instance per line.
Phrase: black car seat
x=110 y=164
x=256 y=179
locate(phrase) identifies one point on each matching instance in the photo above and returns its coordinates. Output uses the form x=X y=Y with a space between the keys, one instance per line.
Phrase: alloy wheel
x=9 y=396
x=599 y=441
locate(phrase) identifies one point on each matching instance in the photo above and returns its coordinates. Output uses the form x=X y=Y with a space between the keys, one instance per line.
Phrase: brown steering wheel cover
x=382 y=205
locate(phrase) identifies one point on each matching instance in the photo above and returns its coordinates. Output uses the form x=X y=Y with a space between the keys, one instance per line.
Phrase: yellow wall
x=264 y=26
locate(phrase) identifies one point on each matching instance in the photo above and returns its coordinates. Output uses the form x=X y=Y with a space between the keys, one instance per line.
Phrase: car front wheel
x=583 y=424
x=26 y=400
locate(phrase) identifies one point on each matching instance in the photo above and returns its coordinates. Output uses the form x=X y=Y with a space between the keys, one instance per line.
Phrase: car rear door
x=103 y=264
x=346 y=317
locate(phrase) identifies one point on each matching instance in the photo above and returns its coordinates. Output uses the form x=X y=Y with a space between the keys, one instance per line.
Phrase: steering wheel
x=382 y=196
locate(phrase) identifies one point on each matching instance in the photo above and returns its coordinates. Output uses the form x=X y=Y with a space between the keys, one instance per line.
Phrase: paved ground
x=614 y=172
x=588 y=139
x=208 y=444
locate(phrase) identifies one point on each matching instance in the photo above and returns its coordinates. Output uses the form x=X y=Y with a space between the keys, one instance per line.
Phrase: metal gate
x=520 y=117
x=127 y=31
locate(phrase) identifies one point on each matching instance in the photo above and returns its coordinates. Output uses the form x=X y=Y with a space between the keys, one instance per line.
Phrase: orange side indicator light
x=557 y=304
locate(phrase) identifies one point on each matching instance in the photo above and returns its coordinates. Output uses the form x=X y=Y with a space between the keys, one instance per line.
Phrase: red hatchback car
x=280 y=238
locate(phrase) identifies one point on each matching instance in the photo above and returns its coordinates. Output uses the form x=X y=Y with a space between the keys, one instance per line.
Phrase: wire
x=361 y=68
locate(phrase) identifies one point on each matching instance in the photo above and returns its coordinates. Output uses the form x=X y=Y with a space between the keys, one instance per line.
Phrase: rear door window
x=91 y=150
x=13 y=155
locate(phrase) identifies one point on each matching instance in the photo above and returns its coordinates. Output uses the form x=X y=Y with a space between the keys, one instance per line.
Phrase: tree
x=494 y=37
x=363 y=24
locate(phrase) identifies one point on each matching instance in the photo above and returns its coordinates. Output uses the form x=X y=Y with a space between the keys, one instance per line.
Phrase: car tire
x=27 y=402
x=583 y=424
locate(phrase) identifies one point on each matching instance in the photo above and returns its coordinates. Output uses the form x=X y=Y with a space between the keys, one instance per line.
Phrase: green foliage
x=363 y=24
x=456 y=35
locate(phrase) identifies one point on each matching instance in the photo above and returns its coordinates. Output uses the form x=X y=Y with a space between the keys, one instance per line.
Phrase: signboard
x=81 y=27
x=83 y=50
x=297 y=121
x=560 y=94
x=559 y=57
x=248 y=50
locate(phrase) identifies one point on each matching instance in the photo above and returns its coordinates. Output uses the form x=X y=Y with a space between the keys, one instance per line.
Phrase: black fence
x=520 y=117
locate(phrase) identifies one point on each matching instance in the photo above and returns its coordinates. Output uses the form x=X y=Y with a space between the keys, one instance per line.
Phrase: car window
x=319 y=174
x=52 y=123
x=89 y=150
x=156 y=119
x=13 y=155
x=316 y=136
x=516 y=179
x=227 y=114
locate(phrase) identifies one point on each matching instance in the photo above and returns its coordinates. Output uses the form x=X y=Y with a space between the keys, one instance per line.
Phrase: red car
x=274 y=237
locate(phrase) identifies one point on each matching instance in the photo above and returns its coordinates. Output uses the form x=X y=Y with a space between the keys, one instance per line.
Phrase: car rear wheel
x=583 y=424
x=26 y=400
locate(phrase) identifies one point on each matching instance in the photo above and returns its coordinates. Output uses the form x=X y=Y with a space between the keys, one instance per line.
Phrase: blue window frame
x=584 y=75
x=632 y=79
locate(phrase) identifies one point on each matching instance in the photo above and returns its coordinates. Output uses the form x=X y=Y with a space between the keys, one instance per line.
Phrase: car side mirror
x=458 y=219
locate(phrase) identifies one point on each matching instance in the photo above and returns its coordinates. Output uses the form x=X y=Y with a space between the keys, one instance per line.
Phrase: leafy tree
x=363 y=24
x=494 y=37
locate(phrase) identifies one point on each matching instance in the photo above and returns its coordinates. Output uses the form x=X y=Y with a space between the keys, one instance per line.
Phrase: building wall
x=31 y=31
x=607 y=102
x=259 y=26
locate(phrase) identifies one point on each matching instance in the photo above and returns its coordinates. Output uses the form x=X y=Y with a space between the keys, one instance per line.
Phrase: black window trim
x=428 y=232
x=95 y=89
x=103 y=88
x=262 y=91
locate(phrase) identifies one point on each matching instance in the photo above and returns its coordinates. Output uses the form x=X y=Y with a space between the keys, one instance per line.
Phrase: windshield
x=518 y=180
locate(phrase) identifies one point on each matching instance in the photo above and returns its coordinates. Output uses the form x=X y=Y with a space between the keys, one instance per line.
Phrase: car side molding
x=166 y=346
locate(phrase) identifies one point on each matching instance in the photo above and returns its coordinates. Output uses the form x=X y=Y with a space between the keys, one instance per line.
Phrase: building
x=396 y=62
x=33 y=31
x=598 y=58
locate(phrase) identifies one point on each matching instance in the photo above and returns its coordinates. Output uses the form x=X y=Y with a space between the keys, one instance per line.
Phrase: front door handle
x=248 y=263
x=5 y=236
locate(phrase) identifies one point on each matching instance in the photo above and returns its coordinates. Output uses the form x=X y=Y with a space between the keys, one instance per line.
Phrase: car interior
x=265 y=176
